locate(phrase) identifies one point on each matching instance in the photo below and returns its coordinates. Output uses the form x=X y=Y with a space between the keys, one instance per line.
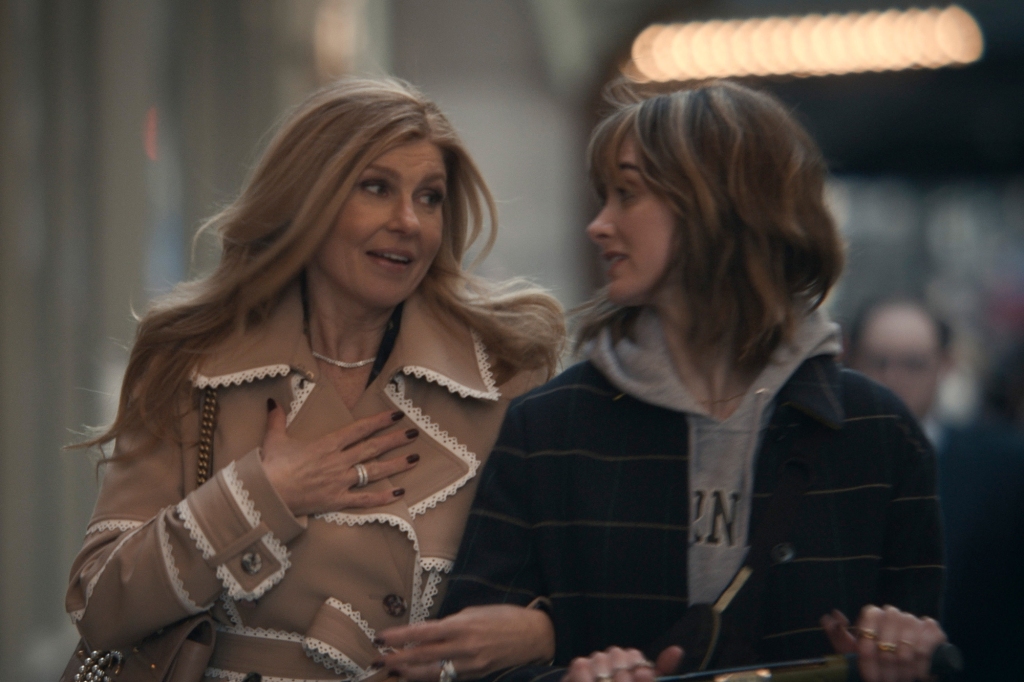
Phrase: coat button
x=252 y=563
x=395 y=605
x=783 y=552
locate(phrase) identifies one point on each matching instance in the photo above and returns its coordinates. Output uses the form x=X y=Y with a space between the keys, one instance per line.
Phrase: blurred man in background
x=904 y=346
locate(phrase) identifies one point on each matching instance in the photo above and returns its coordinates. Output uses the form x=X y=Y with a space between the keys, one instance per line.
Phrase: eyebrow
x=391 y=174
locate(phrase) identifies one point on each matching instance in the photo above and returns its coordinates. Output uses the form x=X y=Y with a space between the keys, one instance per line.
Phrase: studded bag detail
x=179 y=652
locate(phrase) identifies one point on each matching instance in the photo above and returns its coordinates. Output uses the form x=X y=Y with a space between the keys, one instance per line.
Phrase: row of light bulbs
x=807 y=45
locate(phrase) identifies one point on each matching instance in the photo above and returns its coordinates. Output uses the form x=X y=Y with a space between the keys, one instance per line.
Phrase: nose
x=601 y=227
x=404 y=217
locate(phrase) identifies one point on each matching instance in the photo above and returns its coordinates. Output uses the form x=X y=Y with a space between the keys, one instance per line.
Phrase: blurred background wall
x=124 y=122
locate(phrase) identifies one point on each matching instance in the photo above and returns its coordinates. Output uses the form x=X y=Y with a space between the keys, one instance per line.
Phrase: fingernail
x=377 y=641
x=376 y=665
x=412 y=433
x=395 y=416
x=412 y=459
x=398 y=492
x=271 y=404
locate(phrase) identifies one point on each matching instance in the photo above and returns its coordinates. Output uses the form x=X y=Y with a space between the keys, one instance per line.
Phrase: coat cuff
x=241 y=525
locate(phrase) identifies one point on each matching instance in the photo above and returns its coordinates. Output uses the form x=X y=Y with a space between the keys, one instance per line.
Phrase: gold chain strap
x=102 y=666
x=206 y=424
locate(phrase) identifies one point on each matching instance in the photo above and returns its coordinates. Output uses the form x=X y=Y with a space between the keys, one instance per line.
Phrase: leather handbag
x=179 y=652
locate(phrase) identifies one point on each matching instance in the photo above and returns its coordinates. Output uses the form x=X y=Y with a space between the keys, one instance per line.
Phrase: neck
x=340 y=330
x=710 y=375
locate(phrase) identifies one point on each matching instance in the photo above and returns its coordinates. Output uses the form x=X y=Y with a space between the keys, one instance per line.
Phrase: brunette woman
x=635 y=497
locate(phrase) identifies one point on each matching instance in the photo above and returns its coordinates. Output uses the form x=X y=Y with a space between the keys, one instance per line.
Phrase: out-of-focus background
x=124 y=122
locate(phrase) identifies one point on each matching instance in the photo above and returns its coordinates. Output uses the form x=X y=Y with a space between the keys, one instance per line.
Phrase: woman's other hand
x=622 y=665
x=477 y=640
x=891 y=645
x=323 y=476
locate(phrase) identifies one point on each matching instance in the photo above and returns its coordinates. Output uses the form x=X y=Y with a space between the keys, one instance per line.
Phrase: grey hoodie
x=721 y=453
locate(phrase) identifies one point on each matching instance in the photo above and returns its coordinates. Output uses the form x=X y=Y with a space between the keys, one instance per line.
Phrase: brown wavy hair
x=755 y=247
x=283 y=213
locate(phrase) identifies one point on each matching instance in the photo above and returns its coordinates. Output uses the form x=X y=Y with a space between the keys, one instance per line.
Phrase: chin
x=625 y=298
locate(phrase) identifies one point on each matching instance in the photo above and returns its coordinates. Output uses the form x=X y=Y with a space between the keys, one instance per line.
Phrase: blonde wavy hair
x=286 y=209
x=755 y=247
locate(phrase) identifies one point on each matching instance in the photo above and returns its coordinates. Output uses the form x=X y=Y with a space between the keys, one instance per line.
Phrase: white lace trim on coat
x=343 y=519
x=330 y=657
x=354 y=616
x=273 y=545
x=435 y=567
x=231 y=610
x=232 y=676
x=483 y=365
x=76 y=616
x=395 y=390
x=437 y=564
x=239 y=378
x=172 y=572
x=262 y=633
x=121 y=525
x=188 y=519
x=421 y=609
x=333 y=659
x=301 y=388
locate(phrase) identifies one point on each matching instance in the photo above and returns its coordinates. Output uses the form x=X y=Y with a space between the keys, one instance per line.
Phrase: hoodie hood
x=642 y=367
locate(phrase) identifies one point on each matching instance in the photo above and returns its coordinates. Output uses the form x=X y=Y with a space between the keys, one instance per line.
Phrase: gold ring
x=887 y=646
x=605 y=677
x=868 y=633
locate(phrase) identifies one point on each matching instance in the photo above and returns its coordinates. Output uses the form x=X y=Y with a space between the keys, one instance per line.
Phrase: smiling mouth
x=391 y=257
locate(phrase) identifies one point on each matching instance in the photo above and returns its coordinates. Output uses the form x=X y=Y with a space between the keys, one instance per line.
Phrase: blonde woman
x=356 y=378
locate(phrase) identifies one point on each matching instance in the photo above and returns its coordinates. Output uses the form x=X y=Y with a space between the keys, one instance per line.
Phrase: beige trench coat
x=295 y=598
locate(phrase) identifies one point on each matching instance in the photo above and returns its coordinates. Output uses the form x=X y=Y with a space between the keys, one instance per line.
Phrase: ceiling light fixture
x=811 y=45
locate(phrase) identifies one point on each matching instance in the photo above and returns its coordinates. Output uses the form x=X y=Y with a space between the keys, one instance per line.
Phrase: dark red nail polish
x=398 y=492
x=395 y=416
x=271 y=404
x=376 y=665
x=377 y=641
x=412 y=433
x=412 y=459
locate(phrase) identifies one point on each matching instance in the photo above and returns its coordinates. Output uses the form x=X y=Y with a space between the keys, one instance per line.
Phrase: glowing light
x=811 y=45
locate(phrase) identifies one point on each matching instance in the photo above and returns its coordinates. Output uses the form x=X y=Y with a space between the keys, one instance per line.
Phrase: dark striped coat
x=585 y=501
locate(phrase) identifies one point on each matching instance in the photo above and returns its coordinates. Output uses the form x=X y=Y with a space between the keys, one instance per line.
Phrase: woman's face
x=389 y=229
x=634 y=231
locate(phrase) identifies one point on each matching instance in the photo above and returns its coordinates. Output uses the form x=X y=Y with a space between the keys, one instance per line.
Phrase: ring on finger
x=605 y=677
x=447 y=671
x=364 y=478
x=888 y=647
x=868 y=633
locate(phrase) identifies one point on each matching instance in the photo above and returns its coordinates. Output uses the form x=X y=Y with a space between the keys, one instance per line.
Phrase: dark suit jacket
x=585 y=501
x=981 y=485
